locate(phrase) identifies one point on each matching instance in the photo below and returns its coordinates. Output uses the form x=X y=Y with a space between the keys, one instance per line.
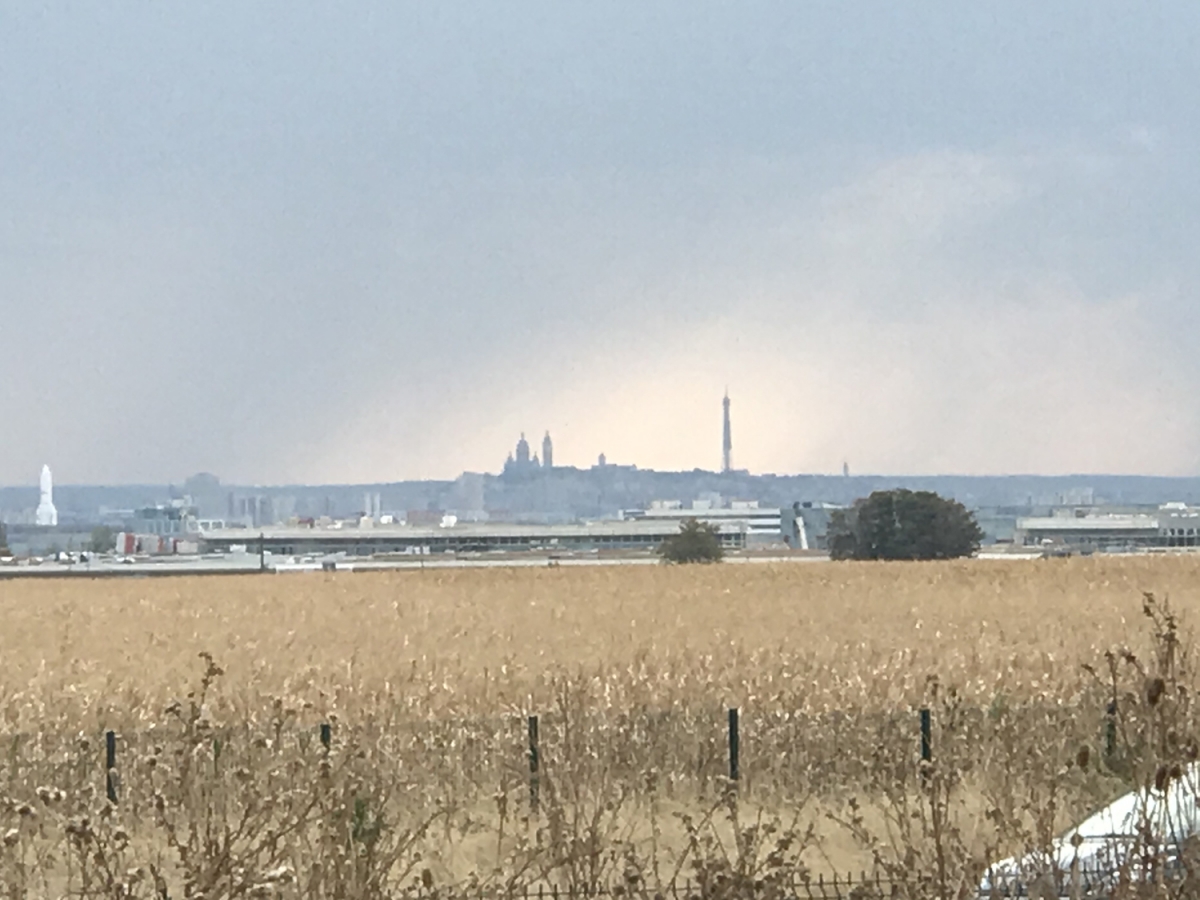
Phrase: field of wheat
x=216 y=690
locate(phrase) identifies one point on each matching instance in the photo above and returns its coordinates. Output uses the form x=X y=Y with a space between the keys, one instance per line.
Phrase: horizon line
x=714 y=472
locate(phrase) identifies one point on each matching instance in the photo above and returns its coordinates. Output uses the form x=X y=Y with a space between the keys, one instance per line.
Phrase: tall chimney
x=727 y=441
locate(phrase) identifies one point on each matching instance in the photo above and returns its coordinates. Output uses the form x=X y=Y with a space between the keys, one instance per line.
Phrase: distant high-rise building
x=522 y=451
x=727 y=439
x=845 y=470
x=547 y=452
x=46 y=515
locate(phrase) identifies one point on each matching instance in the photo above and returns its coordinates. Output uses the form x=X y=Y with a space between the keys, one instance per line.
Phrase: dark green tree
x=697 y=542
x=3 y=539
x=103 y=540
x=902 y=524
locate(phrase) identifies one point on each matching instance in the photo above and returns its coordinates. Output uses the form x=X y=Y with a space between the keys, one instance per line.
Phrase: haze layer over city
x=295 y=245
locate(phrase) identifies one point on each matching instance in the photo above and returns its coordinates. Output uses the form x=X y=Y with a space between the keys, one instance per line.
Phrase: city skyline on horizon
x=517 y=462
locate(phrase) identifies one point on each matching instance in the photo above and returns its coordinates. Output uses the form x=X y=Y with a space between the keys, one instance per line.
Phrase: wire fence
x=820 y=887
x=705 y=745
x=1083 y=881
x=470 y=755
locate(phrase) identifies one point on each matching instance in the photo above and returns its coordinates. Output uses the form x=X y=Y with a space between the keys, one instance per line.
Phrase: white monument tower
x=47 y=515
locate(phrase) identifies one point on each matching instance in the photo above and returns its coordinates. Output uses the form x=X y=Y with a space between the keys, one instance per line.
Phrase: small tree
x=4 y=540
x=903 y=524
x=103 y=540
x=697 y=542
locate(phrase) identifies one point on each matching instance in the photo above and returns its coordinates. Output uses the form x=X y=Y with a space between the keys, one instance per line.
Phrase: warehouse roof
x=463 y=530
x=1089 y=523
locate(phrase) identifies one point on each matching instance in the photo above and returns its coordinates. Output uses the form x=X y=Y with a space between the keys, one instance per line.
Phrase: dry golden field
x=427 y=678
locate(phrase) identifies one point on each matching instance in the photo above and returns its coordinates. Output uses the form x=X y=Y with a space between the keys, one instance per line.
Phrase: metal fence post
x=110 y=766
x=926 y=739
x=734 y=746
x=1110 y=730
x=534 y=764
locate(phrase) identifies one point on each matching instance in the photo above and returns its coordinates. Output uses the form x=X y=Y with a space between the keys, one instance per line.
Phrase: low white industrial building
x=1171 y=525
x=457 y=538
x=762 y=524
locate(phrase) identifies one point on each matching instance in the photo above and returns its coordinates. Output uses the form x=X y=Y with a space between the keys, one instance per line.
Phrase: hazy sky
x=373 y=241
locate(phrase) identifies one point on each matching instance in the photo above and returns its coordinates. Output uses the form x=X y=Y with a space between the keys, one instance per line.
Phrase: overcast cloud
x=365 y=242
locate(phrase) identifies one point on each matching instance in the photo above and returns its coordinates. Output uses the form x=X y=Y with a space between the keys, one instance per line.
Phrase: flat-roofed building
x=1179 y=525
x=458 y=538
x=1115 y=531
x=176 y=520
x=1172 y=525
x=762 y=524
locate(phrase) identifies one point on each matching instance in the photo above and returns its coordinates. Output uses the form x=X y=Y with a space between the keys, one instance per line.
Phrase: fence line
x=822 y=887
x=484 y=745
x=733 y=741
x=1093 y=882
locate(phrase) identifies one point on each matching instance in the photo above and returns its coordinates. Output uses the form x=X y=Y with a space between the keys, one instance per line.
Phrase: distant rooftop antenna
x=727 y=438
